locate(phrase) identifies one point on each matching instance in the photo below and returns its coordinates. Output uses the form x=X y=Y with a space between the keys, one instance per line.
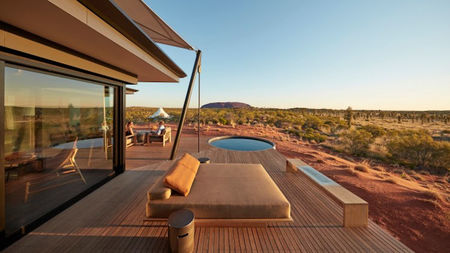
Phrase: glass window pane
x=58 y=141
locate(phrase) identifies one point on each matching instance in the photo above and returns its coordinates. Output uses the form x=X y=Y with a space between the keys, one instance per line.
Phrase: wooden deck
x=112 y=217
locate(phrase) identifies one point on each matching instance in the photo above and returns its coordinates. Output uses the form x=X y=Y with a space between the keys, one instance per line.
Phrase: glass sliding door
x=58 y=141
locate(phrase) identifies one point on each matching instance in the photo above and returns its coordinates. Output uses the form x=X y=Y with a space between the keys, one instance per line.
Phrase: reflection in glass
x=58 y=141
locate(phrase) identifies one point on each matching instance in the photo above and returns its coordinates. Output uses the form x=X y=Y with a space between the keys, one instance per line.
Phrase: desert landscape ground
x=414 y=208
x=411 y=201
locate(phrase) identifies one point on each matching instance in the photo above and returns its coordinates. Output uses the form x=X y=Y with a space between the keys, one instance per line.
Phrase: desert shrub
x=313 y=122
x=441 y=156
x=356 y=142
x=336 y=125
x=312 y=135
x=293 y=131
x=418 y=149
x=223 y=121
x=230 y=117
x=376 y=131
x=309 y=134
x=330 y=123
x=279 y=123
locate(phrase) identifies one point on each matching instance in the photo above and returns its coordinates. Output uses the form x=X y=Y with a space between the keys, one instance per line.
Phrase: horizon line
x=292 y=108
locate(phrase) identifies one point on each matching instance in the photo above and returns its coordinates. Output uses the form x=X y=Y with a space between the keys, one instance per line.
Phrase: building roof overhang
x=100 y=30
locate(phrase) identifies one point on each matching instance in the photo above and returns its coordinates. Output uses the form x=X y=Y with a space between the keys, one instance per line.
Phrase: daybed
x=238 y=192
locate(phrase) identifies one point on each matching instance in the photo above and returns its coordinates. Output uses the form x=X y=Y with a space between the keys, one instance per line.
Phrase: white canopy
x=152 y=24
x=160 y=113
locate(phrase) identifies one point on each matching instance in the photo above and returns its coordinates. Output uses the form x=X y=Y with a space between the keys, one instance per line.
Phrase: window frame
x=9 y=58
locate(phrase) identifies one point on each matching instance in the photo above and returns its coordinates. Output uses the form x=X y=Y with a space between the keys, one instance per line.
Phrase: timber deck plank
x=112 y=217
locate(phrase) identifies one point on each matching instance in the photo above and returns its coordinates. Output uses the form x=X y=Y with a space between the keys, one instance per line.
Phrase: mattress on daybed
x=227 y=191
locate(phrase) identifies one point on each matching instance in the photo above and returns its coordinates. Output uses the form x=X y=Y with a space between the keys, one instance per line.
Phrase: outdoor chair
x=130 y=140
x=63 y=163
x=166 y=135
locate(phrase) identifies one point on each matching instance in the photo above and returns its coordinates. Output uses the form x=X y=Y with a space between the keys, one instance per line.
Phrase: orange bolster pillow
x=182 y=174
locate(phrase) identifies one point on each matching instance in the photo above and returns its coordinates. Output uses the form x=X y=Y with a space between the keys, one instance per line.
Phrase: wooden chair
x=63 y=163
x=166 y=135
x=130 y=140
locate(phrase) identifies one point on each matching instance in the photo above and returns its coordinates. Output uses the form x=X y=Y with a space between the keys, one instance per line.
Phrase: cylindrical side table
x=181 y=231
x=204 y=160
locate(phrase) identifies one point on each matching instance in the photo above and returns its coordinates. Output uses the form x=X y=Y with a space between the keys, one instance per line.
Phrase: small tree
x=349 y=116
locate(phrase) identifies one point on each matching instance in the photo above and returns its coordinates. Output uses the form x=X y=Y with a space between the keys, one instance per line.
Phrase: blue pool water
x=241 y=143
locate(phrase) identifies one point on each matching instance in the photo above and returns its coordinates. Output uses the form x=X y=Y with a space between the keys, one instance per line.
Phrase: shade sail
x=152 y=24
x=160 y=113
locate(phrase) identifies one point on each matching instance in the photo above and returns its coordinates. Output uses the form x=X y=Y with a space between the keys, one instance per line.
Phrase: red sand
x=415 y=211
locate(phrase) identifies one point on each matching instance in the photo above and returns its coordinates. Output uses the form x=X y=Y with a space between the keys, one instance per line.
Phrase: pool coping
x=241 y=137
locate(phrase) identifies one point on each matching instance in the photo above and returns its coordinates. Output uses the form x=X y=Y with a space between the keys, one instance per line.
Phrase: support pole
x=119 y=143
x=199 y=70
x=186 y=104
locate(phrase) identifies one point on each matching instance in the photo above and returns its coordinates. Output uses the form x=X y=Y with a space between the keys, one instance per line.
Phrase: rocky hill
x=226 y=105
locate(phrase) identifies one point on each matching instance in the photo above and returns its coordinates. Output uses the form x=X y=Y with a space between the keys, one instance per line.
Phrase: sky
x=380 y=55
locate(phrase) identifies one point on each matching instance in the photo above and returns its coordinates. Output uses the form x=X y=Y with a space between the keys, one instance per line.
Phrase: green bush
x=223 y=121
x=356 y=142
x=309 y=134
x=313 y=122
x=418 y=149
x=313 y=136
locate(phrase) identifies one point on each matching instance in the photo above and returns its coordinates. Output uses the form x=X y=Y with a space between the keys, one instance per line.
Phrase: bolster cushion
x=159 y=190
x=182 y=174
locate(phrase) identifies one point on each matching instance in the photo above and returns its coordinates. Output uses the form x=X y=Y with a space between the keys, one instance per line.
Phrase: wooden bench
x=356 y=210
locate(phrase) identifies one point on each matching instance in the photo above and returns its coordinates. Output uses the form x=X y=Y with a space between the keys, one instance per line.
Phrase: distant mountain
x=226 y=105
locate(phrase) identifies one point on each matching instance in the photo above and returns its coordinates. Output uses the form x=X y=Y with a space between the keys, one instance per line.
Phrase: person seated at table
x=160 y=129
x=129 y=132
